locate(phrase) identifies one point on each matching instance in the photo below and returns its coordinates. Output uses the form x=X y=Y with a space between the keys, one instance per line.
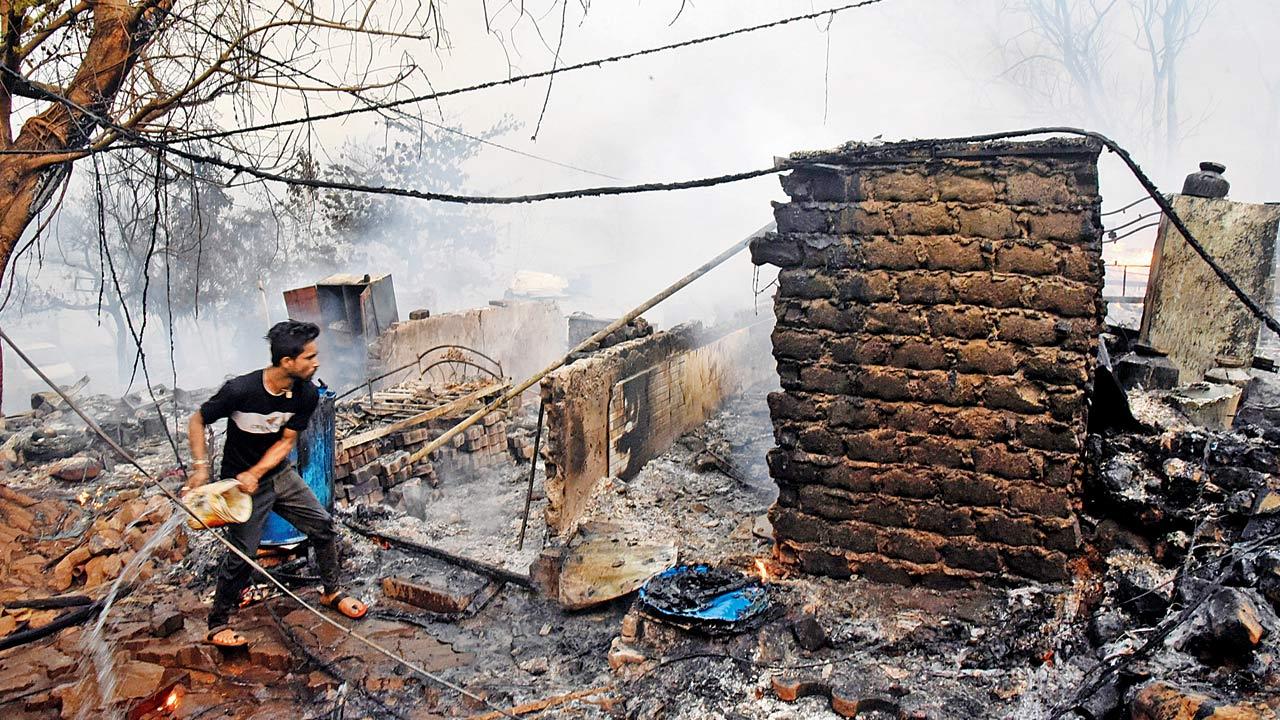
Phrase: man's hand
x=248 y=482
x=196 y=476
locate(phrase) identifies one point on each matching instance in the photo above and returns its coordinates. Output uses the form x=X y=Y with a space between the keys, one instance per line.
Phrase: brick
x=773 y=249
x=797 y=344
x=863 y=221
x=1036 y=563
x=1044 y=434
x=886 y=571
x=820 y=379
x=790 y=406
x=796 y=218
x=988 y=290
x=830 y=503
x=1055 y=367
x=920 y=355
x=827 y=315
x=925 y=289
x=821 y=562
x=823 y=185
x=827 y=252
x=875 y=446
x=819 y=440
x=800 y=283
x=1065 y=299
x=885 y=384
x=879 y=510
x=986 y=358
x=794 y=525
x=1006 y=463
x=922 y=219
x=866 y=287
x=908 y=482
x=1028 y=188
x=958 y=188
x=995 y=223
x=1027 y=330
x=862 y=350
x=890 y=254
x=943 y=520
x=1061 y=472
x=1072 y=227
x=853 y=412
x=853 y=477
x=917 y=547
x=912 y=417
x=1041 y=501
x=938 y=451
x=1063 y=535
x=1001 y=528
x=1025 y=260
x=979 y=424
x=974 y=490
x=958 y=322
x=854 y=536
x=1081 y=264
x=899 y=186
x=894 y=319
x=948 y=581
x=971 y=555
x=947 y=388
x=953 y=254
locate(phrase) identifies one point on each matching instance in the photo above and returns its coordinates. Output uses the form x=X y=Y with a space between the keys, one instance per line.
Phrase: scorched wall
x=938 y=309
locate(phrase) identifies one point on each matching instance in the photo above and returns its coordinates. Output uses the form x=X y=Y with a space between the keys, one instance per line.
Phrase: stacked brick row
x=937 y=322
x=369 y=471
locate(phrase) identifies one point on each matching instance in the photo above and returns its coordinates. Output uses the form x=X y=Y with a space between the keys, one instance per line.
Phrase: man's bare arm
x=199 y=473
x=274 y=455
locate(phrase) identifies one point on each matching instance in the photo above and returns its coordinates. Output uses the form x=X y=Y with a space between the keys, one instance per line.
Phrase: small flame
x=83 y=498
x=172 y=700
x=763 y=570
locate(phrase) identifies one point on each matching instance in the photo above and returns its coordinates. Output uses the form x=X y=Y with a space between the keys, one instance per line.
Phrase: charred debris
x=943 y=479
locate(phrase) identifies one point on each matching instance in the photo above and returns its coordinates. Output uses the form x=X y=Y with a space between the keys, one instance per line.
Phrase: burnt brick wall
x=937 y=321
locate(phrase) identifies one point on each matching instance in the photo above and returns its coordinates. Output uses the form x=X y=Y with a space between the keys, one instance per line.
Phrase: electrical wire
x=387 y=105
x=127 y=457
x=1139 y=201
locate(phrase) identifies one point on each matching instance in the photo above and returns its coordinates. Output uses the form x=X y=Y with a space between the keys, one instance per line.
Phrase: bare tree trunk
x=27 y=181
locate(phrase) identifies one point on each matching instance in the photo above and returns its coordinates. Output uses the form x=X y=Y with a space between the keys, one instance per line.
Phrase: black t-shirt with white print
x=255 y=418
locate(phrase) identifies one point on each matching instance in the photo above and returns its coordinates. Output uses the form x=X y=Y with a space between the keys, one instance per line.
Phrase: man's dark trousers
x=284 y=492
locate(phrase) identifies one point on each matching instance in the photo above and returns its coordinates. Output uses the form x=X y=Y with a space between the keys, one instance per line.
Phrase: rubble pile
x=1187 y=529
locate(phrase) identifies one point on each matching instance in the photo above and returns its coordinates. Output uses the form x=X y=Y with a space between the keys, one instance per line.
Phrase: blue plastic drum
x=313 y=456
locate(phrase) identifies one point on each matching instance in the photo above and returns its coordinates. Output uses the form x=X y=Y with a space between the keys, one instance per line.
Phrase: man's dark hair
x=288 y=338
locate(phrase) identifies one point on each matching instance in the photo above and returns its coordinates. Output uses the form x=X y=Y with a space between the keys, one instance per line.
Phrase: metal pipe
x=533 y=467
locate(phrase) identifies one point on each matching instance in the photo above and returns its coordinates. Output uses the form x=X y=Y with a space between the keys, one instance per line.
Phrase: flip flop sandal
x=226 y=638
x=347 y=605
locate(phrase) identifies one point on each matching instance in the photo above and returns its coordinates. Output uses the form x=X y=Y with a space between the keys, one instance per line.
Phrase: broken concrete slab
x=1208 y=404
x=604 y=568
x=1189 y=313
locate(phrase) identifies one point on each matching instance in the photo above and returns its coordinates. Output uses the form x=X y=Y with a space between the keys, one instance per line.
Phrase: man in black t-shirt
x=265 y=411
